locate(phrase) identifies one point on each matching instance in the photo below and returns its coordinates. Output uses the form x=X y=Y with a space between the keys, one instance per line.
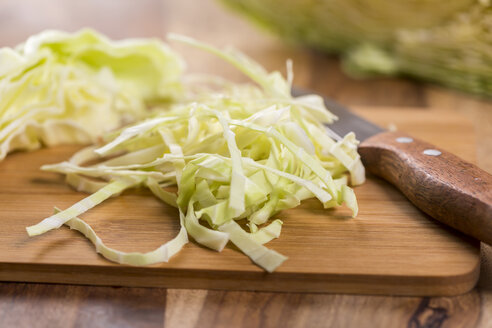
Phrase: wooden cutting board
x=390 y=248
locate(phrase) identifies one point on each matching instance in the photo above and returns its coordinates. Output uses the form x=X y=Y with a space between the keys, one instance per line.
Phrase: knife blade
x=348 y=121
x=444 y=186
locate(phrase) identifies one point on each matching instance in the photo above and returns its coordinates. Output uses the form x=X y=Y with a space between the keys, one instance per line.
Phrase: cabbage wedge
x=62 y=88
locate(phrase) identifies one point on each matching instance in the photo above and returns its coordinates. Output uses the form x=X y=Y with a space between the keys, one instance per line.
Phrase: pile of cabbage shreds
x=234 y=151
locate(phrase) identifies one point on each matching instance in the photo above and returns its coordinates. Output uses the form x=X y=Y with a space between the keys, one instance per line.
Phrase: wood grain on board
x=390 y=248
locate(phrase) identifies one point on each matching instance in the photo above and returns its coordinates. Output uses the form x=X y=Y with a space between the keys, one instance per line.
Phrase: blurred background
x=449 y=43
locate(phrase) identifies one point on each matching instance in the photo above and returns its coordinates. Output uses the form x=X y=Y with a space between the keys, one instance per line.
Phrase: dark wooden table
x=38 y=305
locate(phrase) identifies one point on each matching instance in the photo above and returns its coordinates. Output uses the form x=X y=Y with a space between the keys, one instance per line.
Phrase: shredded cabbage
x=237 y=154
x=70 y=88
x=161 y=254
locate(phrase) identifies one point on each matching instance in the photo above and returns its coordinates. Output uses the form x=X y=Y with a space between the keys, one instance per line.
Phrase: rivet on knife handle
x=441 y=184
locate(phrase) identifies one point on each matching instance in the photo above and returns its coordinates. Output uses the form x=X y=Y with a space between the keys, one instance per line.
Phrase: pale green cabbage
x=447 y=42
x=237 y=154
x=70 y=88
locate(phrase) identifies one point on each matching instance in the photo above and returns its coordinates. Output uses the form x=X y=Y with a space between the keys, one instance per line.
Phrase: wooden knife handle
x=441 y=184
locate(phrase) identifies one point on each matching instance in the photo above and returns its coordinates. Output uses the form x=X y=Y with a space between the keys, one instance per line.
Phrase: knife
x=444 y=186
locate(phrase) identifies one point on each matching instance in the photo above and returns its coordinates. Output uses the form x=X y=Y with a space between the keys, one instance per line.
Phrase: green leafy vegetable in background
x=447 y=42
x=234 y=151
x=70 y=88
